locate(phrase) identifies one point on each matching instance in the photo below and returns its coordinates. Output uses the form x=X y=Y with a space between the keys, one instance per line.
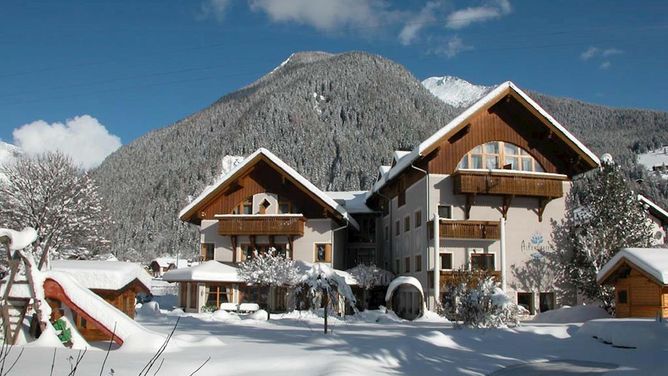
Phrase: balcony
x=455 y=277
x=469 y=230
x=280 y=224
x=508 y=183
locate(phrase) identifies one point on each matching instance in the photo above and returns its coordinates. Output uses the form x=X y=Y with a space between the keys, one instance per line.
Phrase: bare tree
x=59 y=200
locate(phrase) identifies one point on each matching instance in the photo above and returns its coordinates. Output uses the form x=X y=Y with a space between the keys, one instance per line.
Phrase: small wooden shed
x=114 y=281
x=640 y=278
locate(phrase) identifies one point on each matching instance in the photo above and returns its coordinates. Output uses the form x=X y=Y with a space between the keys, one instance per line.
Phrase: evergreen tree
x=603 y=215
x=48 y=193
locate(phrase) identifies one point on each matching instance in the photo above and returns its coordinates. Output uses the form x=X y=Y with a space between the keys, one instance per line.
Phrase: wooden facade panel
x=469 y=230
x=261 y=225
x=499 y=183
x=645 y=297
x=262 y=178
x=507 y=121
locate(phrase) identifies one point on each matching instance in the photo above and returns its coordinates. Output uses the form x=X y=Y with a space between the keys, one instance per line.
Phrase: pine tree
x=603 y=215
x=50 y=194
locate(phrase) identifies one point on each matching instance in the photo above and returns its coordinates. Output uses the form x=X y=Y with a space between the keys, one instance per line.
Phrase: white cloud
x=216 y=8
x=462 y=18
x=589 y=53
x=82 y=138
x=423 y=18
x=453 y=47
x=325 y=15
x=600 y=54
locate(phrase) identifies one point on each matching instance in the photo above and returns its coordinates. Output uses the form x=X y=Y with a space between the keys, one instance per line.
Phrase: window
x=525 y=299
x=322 y=252
x=497 y=155
x=546 y=301
x=218 y=294
x=482 y=261
x=264 y=206
x=418 y=218
x=445 y=211
x=407 y=265
x=402 y=192
x=283 y=207
x=622 y=297
x=396 y=228
x=387 y=233
x=396 y=266
x=407 y=223
x=418 y=263
x=446 y=261
x=208 y=250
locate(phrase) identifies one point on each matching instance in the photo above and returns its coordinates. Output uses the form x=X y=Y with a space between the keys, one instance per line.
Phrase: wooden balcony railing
x=508 y=183
x=261 y=225
x=450 y=229
x=456 y=277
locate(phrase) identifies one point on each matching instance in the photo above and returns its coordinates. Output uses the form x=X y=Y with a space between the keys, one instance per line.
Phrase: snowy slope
x=655 y=158
x=8 y=152
x=455 y=91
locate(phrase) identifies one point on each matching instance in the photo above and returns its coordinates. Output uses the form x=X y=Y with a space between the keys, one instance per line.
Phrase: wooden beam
x=233 y=238
x=470 y=199
x=505 y=206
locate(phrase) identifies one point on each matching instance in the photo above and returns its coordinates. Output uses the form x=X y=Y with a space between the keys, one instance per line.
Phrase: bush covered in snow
x=479 y=303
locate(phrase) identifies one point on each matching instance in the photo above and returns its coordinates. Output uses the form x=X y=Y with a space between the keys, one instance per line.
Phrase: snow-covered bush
x=367 y=277
x=480 y=303
x=321 y=279
x=269 y=269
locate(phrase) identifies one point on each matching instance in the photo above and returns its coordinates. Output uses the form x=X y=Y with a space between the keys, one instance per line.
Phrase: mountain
x=8 y=153
x=334 y=118
x=455 y=91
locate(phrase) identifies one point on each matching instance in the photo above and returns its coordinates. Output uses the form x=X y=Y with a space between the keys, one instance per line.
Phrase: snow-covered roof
x=165 y=262
x=654 y=209
x=403 y=280
x=18 y=239
x=103 y=275
x=653 y=261
x=426 y=146
x=208 y=271
x=262 y=152
x=353 y=201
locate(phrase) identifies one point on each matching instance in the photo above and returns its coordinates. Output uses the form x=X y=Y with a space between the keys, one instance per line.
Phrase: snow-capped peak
x=455 y=91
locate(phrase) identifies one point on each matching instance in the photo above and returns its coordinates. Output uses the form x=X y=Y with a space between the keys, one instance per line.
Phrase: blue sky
x=127 y=67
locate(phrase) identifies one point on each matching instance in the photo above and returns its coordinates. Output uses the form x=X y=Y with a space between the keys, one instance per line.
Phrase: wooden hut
x=116 y=282
x=640 y=278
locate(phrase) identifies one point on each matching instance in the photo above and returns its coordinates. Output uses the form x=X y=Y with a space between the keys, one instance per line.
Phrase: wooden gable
x=509 y=119
x=260 y=176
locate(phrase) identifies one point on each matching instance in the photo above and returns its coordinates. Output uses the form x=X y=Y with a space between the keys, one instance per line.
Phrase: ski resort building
x=479 y=194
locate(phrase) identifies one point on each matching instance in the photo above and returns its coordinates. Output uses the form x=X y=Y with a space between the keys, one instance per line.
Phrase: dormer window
x=499 y=155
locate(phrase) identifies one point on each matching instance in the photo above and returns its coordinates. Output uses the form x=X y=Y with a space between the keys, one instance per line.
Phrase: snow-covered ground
x=658 y=157
x=370 y=343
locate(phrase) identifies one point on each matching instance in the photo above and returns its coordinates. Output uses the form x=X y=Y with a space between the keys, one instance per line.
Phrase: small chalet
x=258 y=204
x=116 y=282
x=161 y=265
x=640 y=278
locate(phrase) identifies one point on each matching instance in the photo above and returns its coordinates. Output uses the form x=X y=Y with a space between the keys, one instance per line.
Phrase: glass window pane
x=464 y=163
x=477 y=149
x=492 y=162
x=512 y=161
x=476 y=161
x=510 y=149
x=492 y=148
x=527 y=164
x=538 y=167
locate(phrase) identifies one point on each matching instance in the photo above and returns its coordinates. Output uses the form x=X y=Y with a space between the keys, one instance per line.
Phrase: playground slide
x=94 y=309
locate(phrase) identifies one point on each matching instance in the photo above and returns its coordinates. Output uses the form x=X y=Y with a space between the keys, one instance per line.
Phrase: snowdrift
x=568 y=314
x=636 y=333
x=92 y=307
